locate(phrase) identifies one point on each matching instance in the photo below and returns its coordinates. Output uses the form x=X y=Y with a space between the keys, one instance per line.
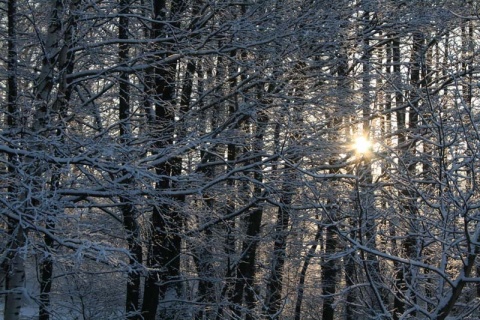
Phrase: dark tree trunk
x=350 y=279
x=398 y=303
x=129 y=212
x=273 y=300
x=12 y=301
x=273 y=296
x=204 y=259
x=329 y=274
x=230 y=268
x=246 y=270
x=163 y=258
x=244 y=287
x=407 y=149
x=303 y=274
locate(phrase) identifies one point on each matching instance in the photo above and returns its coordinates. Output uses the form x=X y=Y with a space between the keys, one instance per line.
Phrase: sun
x=362 y=145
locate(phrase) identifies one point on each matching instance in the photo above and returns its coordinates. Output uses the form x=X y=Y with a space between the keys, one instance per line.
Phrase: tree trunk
x=203 y=251
x=273 y=297
x=398 y=304
x=350 y=279
x=246 y=270
x=364 y=188
x=65 y=63
x=230 y=268
x=13 y=280
x=329 y=274
x=303 y=274
x=163 y=280
x=42 y=118
x=273 y=300
x=15 y=274
x=129 y=211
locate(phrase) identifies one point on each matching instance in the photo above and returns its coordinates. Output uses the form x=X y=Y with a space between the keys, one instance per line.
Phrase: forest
x=239 y=159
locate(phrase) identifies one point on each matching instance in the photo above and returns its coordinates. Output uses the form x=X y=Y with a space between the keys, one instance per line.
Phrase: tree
x=12 y=263
x=183 y=159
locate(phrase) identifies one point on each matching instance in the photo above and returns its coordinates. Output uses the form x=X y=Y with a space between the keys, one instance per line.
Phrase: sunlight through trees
x=248 y=160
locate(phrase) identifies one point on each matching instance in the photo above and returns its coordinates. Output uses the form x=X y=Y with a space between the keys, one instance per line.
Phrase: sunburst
x=362 y=145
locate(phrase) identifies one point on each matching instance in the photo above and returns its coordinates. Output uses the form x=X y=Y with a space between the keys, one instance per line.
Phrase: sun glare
x=362 y=145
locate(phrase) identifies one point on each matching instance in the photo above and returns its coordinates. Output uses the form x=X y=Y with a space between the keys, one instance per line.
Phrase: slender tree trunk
x=12 y=92
x=65 y=62
x=164 y=247
x=206 y=286
x=330 y=265
x=12 y=302
x=52 y=58
x=163 y=280
x=246 y=270
x=230 y=268
x=161 y=94
x=273 y=300
x=46 y=265
x=129 y=211
x=350 y=279
x=303 y=273
x=13 y=265
x=204 y=259
x=407 y=146
x=365 y=190
x=398 y=304
x=329 y=274
x=15 y=280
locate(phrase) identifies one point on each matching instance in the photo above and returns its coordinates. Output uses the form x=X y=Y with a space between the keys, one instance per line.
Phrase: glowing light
x=362 y=145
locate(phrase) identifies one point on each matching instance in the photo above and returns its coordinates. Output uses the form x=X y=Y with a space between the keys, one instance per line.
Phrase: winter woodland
x=248 y=159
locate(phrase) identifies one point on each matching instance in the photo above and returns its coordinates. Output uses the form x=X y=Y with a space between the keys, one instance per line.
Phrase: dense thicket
x=200 y=160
